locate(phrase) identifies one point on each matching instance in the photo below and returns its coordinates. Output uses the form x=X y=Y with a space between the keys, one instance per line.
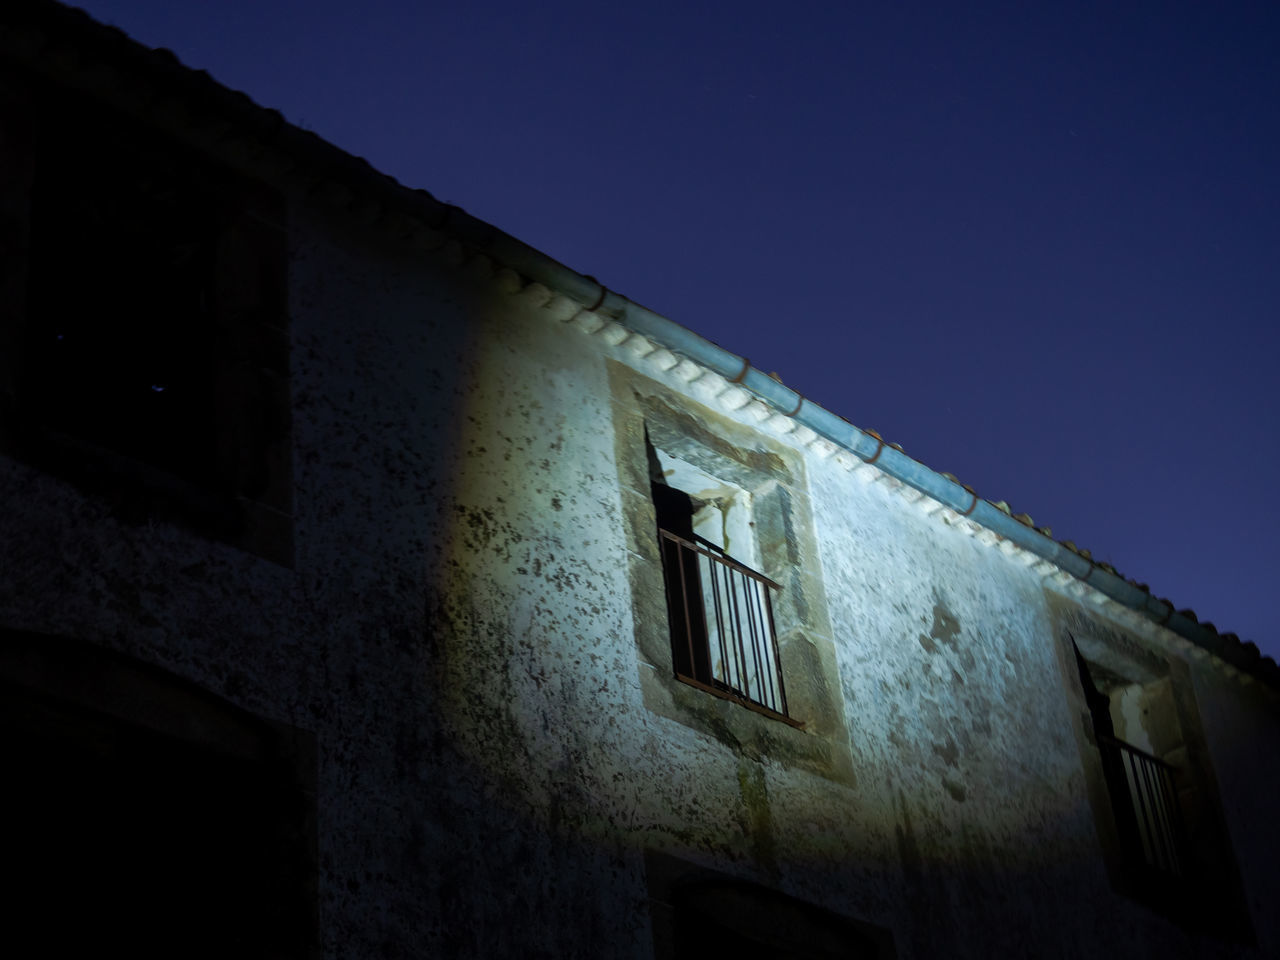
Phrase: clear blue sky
x=1036 y=244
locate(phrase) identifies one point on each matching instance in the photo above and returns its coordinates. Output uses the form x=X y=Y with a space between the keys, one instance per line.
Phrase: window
x=1143 y=788
x=149 y=818
x=755 y=669
x=696 y=912
x=720 y=609
x=1149 y=777
x=147 y=358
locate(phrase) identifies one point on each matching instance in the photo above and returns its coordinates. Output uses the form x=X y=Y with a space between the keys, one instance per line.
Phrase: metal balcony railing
x=1153 y=800
x=722 y=625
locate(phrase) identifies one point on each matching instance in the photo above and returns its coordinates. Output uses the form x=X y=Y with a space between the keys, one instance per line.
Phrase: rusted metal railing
x=1153 y=796
x=722 y=625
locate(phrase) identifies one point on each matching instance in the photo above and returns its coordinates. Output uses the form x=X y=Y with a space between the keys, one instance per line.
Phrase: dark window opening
x=120 y=341
x=150 y=361
x=735 y=919
x=1151 y=782
x=193 y=838
x=714 y=915
x=689 y=648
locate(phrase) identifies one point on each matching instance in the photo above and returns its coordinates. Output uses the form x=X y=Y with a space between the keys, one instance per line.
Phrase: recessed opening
x=148 y=818
x=719 y=605
x=1137 y=734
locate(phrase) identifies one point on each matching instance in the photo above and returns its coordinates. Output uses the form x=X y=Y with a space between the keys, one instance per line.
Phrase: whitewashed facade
x=453 y=629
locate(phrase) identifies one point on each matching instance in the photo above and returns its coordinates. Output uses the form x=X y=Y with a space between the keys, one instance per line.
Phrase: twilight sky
x=1036 y=244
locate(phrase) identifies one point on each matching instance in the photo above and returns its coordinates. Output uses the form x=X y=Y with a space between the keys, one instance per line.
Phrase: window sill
x=741 y=701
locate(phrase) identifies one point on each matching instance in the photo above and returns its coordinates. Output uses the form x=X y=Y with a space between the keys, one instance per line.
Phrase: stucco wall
x=458 y=632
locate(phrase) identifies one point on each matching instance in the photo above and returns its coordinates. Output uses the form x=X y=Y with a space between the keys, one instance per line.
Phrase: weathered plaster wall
x=956 y=725
x=968 y=804
x=951 y=811
x=448 y=609
x=458 y=631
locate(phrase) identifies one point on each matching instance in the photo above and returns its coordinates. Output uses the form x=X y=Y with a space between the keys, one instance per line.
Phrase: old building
x=373 y=585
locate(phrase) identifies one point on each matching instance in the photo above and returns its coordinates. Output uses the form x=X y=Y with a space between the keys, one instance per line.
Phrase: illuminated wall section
x=472 y=625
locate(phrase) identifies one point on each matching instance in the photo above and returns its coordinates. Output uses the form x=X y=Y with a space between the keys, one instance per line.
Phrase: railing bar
x=1166 y=815
x=744 y=636
x=1149 y=815
x=742 y=654
x=1135 y=798
x=1159 y=853
x=1130 y=748
x=749 y=636
x=1154 y=787
x=733 y=630
x=688 y=623
x=715 y=603
x=766 y=679
x=1153 y=795
x=753 y=676
x=759 y=708
x=754 y=575
x=757 y=640
x=732 y=658
x=767 y=645
x=1135 y=805
x=766 y=673
x=777 y=656
x=1162 y=820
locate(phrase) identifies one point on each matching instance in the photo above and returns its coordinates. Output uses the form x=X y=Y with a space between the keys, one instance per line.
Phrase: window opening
x=150 y=818
x=121 y=340
x=1143 y=788
x=720 y=609
x=150 y=358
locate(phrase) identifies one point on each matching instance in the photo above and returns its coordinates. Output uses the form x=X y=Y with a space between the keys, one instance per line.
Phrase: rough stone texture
x=497 y=752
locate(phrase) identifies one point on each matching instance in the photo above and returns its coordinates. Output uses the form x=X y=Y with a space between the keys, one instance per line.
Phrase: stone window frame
x=1210 y=898
x=786 y=547
x=719 y=604
x=245 y=497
